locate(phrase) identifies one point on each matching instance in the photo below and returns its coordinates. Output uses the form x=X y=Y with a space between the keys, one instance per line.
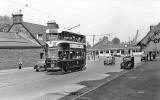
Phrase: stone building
x=150 y=44
x=106 y=47
x=14 y=47
x=31 y=31
x=24 y=41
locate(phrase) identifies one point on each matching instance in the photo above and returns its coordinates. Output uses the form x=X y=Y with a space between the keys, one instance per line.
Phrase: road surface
x=143 y=83
x=31 y=85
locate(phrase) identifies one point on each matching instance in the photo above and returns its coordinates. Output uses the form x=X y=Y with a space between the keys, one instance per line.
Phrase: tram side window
x=81 y=54
x=60 y=53
x=139 y=50
x=82 y=39
x=66 y=37
x=71 y=55
x=66 y=54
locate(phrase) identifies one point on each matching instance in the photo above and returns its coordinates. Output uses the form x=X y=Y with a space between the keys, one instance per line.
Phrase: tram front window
x=53 y=53
x=52 y=36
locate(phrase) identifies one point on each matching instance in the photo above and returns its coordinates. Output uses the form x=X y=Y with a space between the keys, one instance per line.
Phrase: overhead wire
x=43 y=12
x=38 y=10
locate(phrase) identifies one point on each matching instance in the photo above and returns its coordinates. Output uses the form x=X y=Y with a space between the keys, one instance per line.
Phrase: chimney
x=151 y=27
x=17 y=17
x=52 y=27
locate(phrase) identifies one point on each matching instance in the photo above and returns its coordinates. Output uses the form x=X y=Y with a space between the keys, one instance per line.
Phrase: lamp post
x=93 y=48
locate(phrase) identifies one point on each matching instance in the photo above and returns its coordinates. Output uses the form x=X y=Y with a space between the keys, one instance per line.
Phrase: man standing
x=20 y=63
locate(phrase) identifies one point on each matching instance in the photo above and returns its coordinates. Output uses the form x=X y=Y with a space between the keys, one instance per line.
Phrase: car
x=127 y=63
x=40 y=65
x=109 y=60
x=144 y=57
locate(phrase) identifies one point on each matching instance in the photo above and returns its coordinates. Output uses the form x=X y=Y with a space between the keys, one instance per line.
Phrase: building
x=14 y=47
x=106 y=47
x=150 y=44
x=24 y=41
x=31 y=31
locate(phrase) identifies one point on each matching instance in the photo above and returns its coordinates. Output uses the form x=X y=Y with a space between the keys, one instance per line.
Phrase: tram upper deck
x=65 y=36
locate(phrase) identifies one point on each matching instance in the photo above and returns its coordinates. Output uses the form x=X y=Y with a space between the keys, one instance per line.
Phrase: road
x=142 y=83
x=31 y=85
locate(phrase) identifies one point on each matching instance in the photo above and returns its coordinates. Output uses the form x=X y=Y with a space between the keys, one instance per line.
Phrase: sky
x=116 y=18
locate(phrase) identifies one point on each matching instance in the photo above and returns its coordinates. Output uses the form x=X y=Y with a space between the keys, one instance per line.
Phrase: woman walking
x=20 y=63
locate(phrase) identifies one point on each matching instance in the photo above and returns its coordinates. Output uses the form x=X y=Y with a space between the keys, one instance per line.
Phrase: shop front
x=150 y=44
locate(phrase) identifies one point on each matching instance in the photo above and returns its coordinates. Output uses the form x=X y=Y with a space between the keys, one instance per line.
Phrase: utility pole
x=93 y=47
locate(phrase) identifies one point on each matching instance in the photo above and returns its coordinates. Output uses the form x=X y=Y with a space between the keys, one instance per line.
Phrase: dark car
x=144 y=57
x=40 y=65
x=127 y=63
x=109 y=60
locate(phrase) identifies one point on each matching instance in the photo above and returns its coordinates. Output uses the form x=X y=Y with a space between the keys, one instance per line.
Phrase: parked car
x=144 y=57
x=127 y=63
x=116 y=55
x=109 y=60
x=40 y=65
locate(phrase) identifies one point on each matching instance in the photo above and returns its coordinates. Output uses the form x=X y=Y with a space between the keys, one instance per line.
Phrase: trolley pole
x=93 y=47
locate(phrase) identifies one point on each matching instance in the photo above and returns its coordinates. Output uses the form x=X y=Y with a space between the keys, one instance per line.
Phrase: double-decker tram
x=66 y=52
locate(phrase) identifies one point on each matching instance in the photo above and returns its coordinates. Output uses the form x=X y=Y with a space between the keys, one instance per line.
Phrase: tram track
x=12 y=84
x=106 y=82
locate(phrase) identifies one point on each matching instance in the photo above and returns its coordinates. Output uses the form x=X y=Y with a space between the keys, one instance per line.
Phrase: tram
x=65 y=51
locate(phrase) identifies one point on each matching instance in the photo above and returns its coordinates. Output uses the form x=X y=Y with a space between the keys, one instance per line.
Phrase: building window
x=111 y=51
x=118 y=51
x=133 y=50
x=101 y=52
x=107 y=51
x=122 y=51
x=97 y=52
x=40 y=37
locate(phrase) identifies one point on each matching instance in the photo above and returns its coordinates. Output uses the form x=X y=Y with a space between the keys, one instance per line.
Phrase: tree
x=116 y=41
x=5 y=23
x=88 y=45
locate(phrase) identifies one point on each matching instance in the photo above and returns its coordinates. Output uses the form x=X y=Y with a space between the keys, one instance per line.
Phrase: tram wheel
x=82 y=68
x=129 y=65
x=37 y=70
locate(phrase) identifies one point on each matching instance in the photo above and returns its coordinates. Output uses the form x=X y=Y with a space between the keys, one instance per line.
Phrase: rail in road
x=4 y=82
x=40 y=83
x=138 y=63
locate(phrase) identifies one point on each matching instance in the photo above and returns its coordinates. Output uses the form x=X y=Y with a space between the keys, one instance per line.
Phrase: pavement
x=141 y=83
x=16 y=70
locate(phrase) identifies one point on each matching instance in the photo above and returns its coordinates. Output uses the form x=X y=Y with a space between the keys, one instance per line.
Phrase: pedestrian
x=20 y=63
x=41 y=55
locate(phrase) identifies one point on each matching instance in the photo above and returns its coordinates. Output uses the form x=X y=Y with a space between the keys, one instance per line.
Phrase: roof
x=35 y=29
x=72 y=33
x=104 y=45
x=13 y=40
x=108 y=46
x=145 y=41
